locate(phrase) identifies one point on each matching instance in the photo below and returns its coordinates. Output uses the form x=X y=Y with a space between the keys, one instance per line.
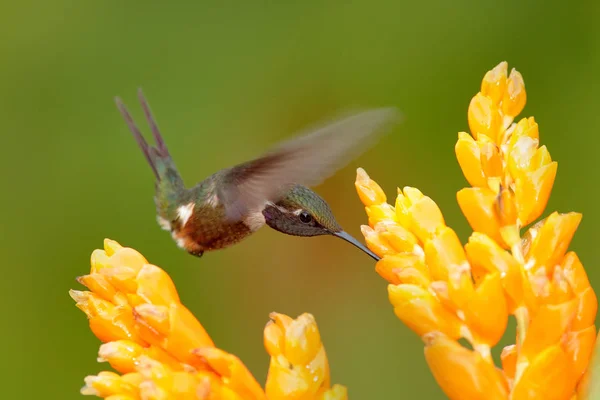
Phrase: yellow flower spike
x=233 y=372
x=515 y=96
x=509 y=360
x=444 y=253
x=578 y=348
x=461 y=373
x=369 y=192
x=478 y=206
x=375 y=242
x=547 y=327
x=548 y=377
x=421 y=311
x=390 y=267
x=486 y=312
x=401 y=240
x=468 y=155
x=552 y=240
x=106 y=384
x=533 y=191
x=484 y=117
x=494 y=82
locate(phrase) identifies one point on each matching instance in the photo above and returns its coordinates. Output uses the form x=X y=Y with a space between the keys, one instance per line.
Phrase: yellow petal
x=399 y=238
x=491 y=161
x=494 y=82
x=337 y=392
x=552 y=240
x=469 y=158
x=380 y=212
x=418 y=213
x=486 y=312
x=444 y=253
x=484 y=117
x=532 y=191
x=548 y=377
x=461 y=373
x=515 y=96
x=106 y=384
x=155 y=286
x=547 y=327
x=369 y=192
x=390 y=268
x=302 y=340
x=274 y=339
x=121 y=354
x=574 y=272
x=376 y=242
x=479 y=207
x=509 y=360
x=421 y=312
x=578 y=347
x=587 y=307
x=234 y=373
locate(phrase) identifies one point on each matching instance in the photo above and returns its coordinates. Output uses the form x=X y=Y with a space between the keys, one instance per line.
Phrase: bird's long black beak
x=348 y=238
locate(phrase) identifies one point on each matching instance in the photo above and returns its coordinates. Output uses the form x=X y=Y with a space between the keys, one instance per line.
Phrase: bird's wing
x=306 y=160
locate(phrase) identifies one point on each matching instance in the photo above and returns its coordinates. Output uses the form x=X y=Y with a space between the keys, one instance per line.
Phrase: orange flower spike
x=484 y=117
x=552 y=241
x=421 y=311
x=461 y=373
x=468 y=155
x=173 y=328
x=548 y=376
x=232 y=371
x=493 y=84
x=108 y=383
x=515 y=96
x=369 y=192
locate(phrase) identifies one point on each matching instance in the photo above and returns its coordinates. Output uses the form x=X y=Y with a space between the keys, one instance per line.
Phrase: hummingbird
x=273 y=189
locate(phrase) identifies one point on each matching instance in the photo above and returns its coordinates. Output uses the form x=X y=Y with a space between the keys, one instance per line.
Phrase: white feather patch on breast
x=163 y=223
x=255 y=220
x=185 y=212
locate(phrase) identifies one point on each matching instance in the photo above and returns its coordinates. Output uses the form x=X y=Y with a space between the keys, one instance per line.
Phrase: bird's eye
x=305 y=217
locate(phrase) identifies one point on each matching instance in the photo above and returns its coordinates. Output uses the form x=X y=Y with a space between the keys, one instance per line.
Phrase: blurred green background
x=226 y=82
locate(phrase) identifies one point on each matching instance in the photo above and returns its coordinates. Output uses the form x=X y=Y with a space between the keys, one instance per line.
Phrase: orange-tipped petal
x=232 y=371
x=484 y=117
x=547 y=327
x=486 y=312
x=579 y=346
x=479 y=207
x=469 y=158
x=509 y=360
x=369 y=192
x=552 y=240
x=494 y=82
x=375 y=242
x=462 y=374
x=155 y=286
x=533 y=191
x=445 y=253
x=391 y=268
x=515 y=96
x=548 y=376
x=421 y=311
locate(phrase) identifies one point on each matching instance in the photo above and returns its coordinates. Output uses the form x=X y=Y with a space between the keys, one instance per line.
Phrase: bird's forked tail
x=169 y=185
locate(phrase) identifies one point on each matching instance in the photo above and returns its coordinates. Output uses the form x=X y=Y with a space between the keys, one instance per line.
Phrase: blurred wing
x=306 y=160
